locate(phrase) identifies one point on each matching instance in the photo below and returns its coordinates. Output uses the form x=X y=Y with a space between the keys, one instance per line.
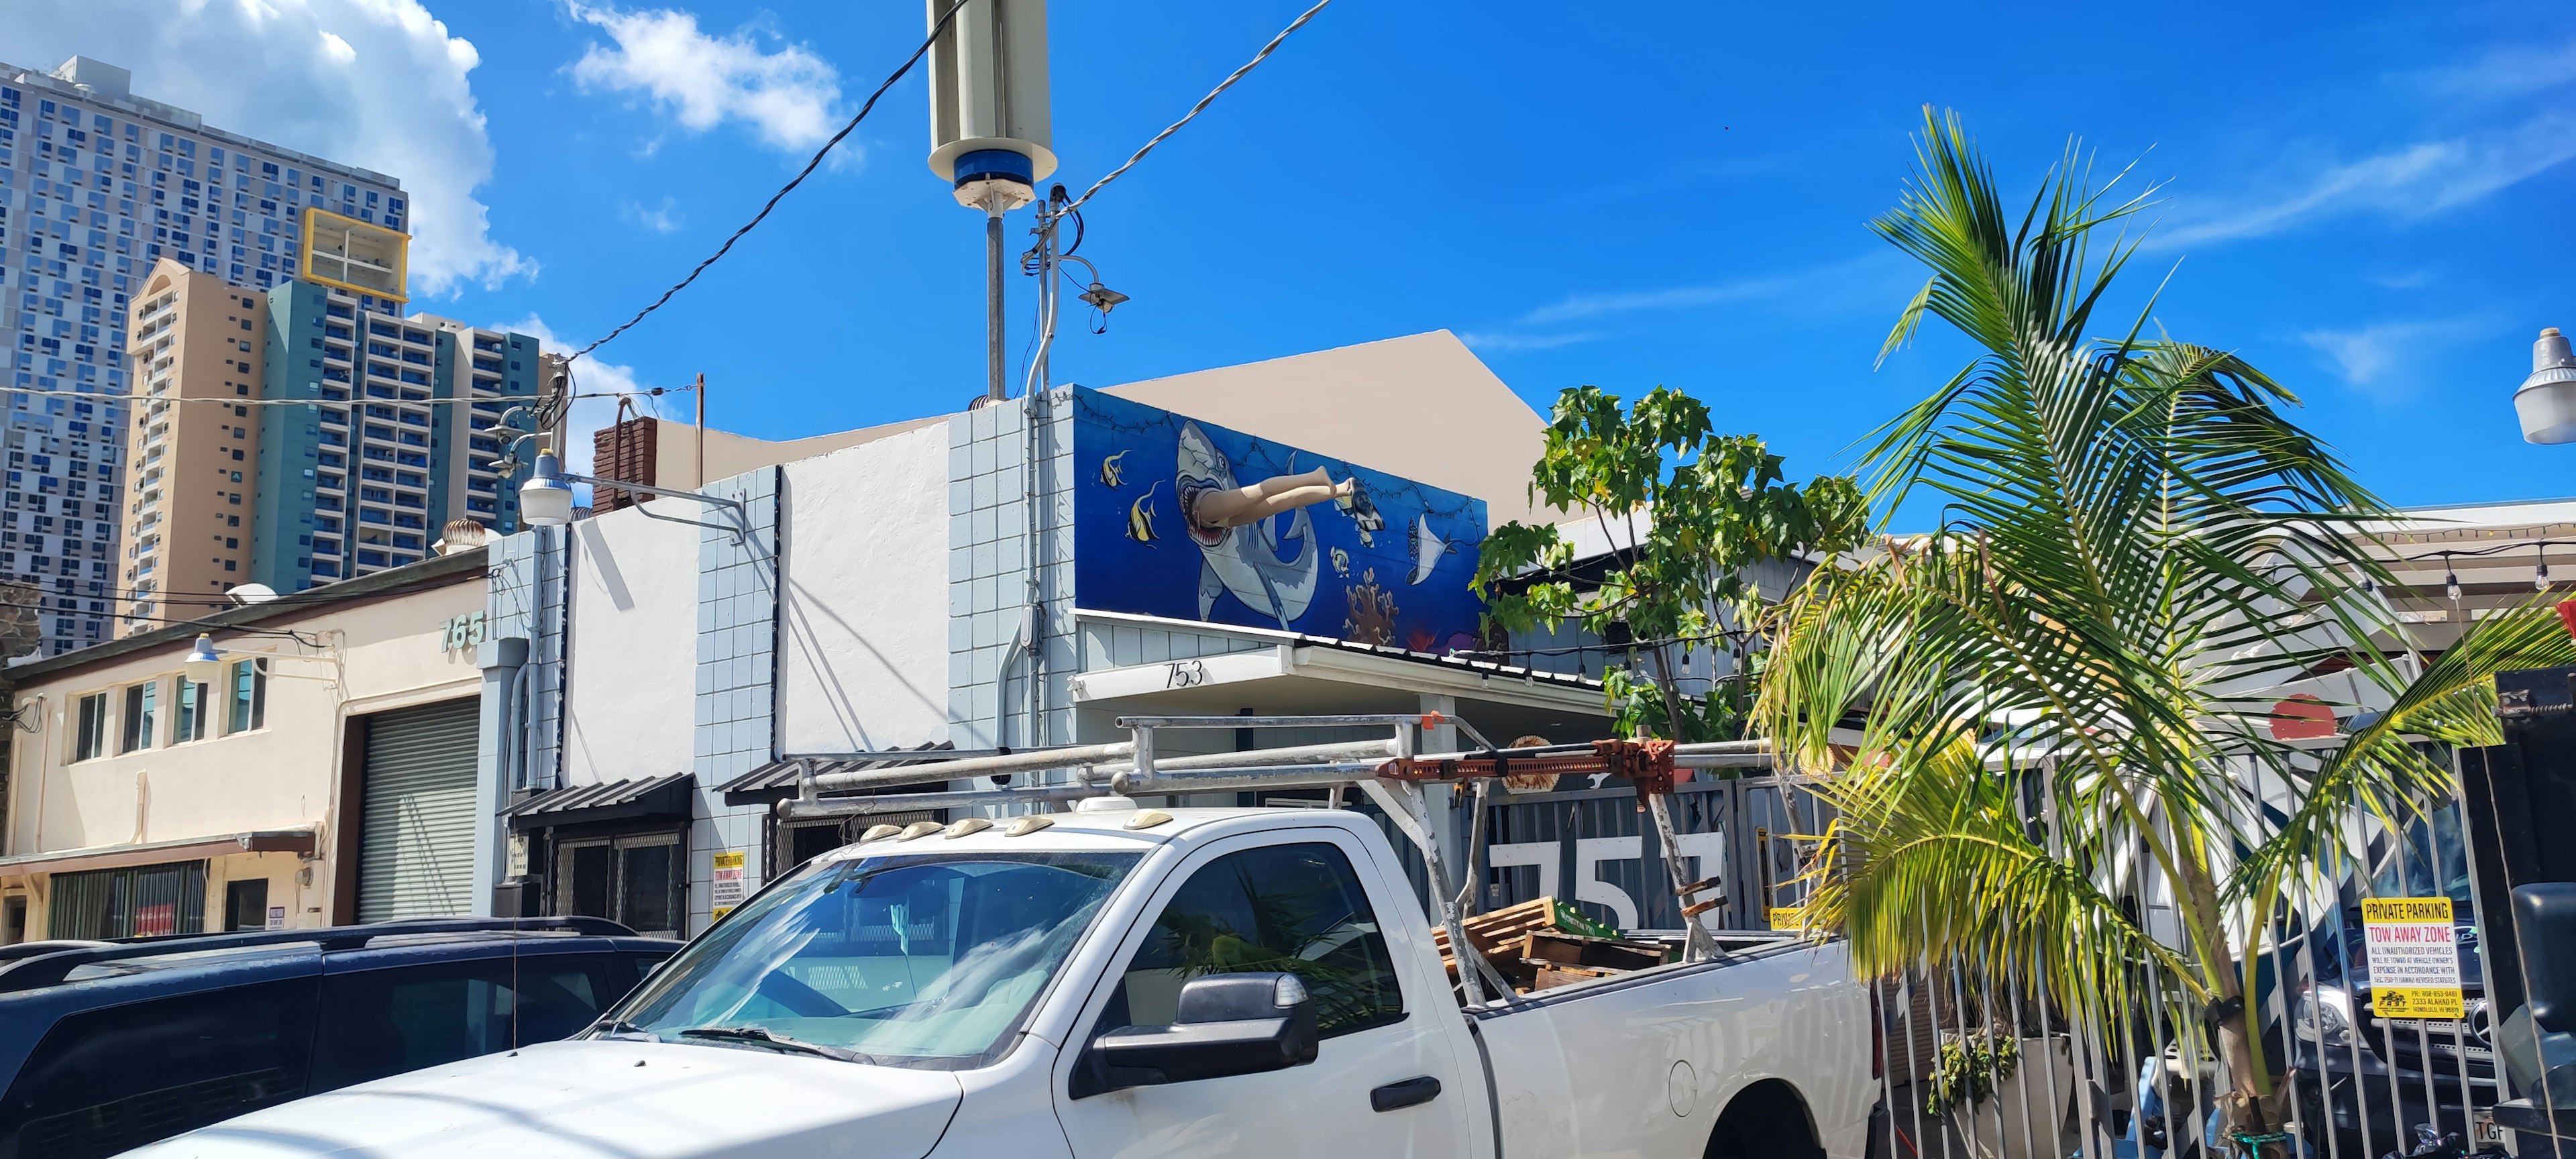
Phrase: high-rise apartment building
x=195 y=348
x=96 y=185
x=363 y=480
x=235 y=483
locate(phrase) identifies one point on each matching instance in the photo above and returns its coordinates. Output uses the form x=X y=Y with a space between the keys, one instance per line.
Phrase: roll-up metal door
x=416 y=831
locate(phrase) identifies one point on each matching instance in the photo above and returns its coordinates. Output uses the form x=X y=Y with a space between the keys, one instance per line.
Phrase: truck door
x=1287 y=901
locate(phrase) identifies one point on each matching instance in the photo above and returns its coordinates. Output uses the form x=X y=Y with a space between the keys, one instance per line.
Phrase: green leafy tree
x=2135 y=543
x=1689 y=511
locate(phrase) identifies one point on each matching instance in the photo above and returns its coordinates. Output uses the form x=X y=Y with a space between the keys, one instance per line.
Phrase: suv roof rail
x=47 y=968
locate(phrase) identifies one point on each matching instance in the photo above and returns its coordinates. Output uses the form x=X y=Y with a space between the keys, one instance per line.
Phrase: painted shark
x=1245 y=560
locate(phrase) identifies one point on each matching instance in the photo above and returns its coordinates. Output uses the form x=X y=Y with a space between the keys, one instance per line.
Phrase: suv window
x=1298 y=909
x=104 y=1081
x=387 y=1021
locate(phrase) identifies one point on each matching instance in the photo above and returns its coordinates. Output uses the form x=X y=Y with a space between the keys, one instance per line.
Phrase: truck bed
x=1644 y=1063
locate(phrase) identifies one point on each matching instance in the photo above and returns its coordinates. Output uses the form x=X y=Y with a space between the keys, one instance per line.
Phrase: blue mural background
x=1390 y=567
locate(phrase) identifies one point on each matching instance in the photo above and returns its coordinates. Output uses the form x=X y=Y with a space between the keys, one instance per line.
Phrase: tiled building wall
x=737 y=677
x=990 y=551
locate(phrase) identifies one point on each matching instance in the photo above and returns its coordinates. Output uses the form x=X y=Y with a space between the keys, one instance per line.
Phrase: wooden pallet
x=1491 y=934
x=1550 y=975
x=1543 y=948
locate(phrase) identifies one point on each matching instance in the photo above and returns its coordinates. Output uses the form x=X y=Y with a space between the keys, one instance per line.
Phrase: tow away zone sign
x=2414 y=961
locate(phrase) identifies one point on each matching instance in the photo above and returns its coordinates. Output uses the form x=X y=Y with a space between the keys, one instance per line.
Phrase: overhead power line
x=1204 y=102
x=95 y=396
x=783 y=190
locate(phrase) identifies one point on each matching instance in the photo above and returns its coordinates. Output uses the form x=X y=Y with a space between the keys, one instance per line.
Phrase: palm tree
x=2135 y=541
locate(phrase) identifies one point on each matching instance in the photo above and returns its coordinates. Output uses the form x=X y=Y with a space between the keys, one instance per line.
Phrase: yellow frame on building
x=399 y=243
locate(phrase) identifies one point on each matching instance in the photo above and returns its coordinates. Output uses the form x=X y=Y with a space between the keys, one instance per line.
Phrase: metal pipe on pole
x=994 y=389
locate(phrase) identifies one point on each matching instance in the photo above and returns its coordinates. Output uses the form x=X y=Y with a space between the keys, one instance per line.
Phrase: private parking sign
x=2414 y=957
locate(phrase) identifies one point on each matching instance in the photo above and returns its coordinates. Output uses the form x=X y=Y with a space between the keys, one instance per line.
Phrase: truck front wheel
x=1765 y=1121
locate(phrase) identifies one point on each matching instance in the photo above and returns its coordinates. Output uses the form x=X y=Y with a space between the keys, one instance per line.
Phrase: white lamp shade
x=545 y=500
x=2547 y=401
x=204 y=664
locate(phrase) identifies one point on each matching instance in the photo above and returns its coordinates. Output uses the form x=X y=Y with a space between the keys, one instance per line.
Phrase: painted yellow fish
x=1109 y=474
x=1140 y=516
x=1341 y=563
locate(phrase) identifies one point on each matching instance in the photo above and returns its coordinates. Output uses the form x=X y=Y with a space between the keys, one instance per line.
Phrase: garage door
x=416 y=834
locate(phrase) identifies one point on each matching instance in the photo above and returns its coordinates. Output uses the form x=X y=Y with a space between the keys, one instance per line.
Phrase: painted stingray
x=1244 y=561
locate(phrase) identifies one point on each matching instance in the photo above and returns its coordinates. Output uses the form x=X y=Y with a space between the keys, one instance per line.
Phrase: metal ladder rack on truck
x=1116 y=980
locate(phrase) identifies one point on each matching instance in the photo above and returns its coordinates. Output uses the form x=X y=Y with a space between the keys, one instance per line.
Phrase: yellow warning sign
x=730 y=884
x=2414 y=957
x=2406 y=909
x=1788 y=917
x=2417 y=1002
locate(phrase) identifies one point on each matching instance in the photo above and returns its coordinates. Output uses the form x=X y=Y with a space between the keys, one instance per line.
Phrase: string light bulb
x=2540 y=575
x=2450 y=583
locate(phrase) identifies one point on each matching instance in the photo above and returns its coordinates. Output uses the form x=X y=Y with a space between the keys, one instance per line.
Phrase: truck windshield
x=923 y=961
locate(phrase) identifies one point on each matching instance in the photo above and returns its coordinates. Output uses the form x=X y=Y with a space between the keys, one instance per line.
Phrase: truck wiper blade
x=611 y=1026
x=765 y=1038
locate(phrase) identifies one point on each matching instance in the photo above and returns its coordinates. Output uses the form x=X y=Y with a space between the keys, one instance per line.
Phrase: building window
x=250 y=696
x=634 y=879
x=91 y=741
x=194 y=698
x=142 y=703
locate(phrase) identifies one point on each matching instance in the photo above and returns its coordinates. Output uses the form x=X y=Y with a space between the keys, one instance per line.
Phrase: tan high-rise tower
x=194 y=348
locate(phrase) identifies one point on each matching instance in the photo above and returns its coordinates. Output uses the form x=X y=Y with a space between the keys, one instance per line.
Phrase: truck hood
x=599 y=1098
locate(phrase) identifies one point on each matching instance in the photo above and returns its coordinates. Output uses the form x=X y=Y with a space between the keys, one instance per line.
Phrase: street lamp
x=545 y=500
x=204 y=664
x=2547 y=399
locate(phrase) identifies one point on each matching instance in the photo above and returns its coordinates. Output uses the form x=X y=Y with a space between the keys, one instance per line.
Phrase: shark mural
x=1189 y=520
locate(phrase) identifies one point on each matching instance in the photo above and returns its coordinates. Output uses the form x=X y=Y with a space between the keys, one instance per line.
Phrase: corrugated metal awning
x=152 y=852
x=636 y=798
x=776 y=778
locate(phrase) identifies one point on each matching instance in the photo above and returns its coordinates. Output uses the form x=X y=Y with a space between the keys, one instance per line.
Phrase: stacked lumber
x=1543 y=943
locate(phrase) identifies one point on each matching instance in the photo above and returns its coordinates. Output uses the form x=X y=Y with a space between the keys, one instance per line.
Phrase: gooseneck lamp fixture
x=545 y=500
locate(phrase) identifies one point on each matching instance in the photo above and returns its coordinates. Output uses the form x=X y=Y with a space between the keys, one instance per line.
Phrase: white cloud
x=785 y=96
x=373 y=83
x=1506 y=342
x=1869 y=279
x=664 y=218
x=2514 y=69
x=2379 y=358
x=2412 y=181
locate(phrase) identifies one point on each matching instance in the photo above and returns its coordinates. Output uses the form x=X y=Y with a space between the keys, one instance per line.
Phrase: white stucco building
x=322 y=772
x=1015 y=576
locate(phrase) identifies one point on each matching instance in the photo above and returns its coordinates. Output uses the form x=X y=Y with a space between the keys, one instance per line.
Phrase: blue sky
x=2371 y=201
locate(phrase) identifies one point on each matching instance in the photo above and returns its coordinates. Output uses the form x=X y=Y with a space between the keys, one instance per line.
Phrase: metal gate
x=137 y=901
x=416 y=825
x=1977 y=1060
x=1592 y=846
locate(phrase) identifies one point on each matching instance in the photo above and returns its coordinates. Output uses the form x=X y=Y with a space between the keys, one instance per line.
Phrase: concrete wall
x=1421 y=406
x=675 y=450
x=634 y=593
x=861 y=666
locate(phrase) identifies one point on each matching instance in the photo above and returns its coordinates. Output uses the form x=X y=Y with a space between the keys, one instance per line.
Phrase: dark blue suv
x=106 y=1046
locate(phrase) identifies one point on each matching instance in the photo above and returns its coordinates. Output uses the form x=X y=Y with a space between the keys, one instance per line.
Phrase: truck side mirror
x=1228 y=1024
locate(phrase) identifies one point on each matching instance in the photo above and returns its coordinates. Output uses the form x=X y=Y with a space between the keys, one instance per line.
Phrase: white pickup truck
x=1116 y=982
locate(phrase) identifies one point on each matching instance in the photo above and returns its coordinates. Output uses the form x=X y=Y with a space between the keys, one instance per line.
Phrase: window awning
x=664 y=797
x=770 y=782
x=155 y=852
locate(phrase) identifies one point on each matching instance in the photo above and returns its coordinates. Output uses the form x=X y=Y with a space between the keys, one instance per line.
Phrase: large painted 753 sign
x=1179 y=518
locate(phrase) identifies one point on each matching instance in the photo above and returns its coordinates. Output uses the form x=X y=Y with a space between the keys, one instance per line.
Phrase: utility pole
x=990 y=129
